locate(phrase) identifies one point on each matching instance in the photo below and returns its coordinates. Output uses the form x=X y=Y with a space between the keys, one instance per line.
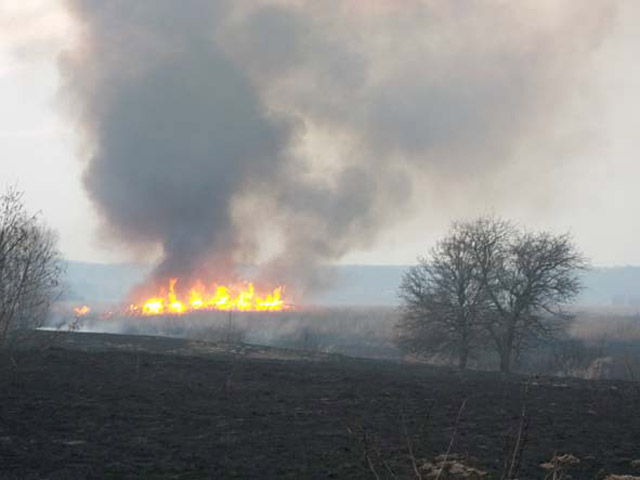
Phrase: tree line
x=489 y=285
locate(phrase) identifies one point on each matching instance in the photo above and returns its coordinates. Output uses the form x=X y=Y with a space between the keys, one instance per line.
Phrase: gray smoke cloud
x=174 y=126
x=212 y=123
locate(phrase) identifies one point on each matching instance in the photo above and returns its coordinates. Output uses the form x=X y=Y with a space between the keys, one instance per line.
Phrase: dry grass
x=559 y=466
x=452 y=467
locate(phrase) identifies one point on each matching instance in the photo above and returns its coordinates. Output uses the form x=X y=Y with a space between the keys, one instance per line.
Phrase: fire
x=242 y=297
x=81 y=311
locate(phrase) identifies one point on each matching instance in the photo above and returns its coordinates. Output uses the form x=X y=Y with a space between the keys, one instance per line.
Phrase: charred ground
x=108 y=406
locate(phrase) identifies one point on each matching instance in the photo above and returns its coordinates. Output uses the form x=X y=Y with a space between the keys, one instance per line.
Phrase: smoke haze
x=289 y=133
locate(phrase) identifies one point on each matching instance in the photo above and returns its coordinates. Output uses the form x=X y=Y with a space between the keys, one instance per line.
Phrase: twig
x=453 y=437
x=367 y=454
x=414 y=463
x=369 y=450
x=552 y=475
x=513 y=464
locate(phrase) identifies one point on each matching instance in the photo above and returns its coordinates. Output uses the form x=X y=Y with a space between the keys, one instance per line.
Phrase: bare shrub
x=572 y=357
x=558 y=467
x=601 y=368
x=452 y=467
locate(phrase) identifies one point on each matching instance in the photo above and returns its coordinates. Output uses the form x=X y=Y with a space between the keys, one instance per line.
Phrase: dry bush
x=452 y=467
x=558 y=467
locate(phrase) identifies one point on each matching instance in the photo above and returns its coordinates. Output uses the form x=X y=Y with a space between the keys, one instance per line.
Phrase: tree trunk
x=4 y=326
x=464 y=357
x=505 y=360
x=464 y=349
x=507 y=349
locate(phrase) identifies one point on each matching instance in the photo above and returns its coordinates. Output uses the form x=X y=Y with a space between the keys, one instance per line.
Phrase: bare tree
x=528 y=277
x=489 y=284
x=443 y=300
x=30 y=266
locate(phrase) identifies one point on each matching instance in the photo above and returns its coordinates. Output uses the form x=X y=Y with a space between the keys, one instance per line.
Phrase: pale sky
x=597 y=198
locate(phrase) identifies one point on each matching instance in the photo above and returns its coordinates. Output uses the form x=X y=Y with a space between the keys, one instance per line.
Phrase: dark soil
x=100 y=406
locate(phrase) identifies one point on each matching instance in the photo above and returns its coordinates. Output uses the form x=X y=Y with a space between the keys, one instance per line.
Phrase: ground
x=100 y=406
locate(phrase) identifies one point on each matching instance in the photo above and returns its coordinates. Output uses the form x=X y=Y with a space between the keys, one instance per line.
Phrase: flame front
x=81 y=311
x=220 y=297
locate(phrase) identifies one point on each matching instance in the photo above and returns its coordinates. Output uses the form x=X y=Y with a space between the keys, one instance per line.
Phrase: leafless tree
x=443 y=300
x=30 y=266
x=528 y=277
x=489 y=283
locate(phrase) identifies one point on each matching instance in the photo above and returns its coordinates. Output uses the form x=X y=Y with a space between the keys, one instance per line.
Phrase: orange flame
x=81 y=311
x=241 y=297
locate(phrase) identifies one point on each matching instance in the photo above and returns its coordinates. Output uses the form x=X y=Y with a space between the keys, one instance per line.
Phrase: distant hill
x=378 y=285
x=95 y=282
x=356 y=285
x=612 y=286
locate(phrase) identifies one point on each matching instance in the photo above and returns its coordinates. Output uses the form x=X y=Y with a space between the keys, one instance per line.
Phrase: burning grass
x=199 y=297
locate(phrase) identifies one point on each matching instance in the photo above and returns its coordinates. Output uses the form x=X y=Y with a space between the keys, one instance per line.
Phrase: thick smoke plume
x=292 y=132
x=175 y=126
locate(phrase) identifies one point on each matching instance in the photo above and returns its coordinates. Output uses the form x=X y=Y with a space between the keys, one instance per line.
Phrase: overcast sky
x=590 y=186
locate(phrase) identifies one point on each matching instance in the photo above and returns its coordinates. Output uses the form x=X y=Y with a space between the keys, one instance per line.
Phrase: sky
x=581 y=178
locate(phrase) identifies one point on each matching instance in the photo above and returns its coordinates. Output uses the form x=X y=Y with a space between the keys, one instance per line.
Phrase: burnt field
x=107 y=406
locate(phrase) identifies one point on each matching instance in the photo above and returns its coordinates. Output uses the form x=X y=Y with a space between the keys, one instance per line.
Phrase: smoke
x=292 y=132
x=174 y=126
